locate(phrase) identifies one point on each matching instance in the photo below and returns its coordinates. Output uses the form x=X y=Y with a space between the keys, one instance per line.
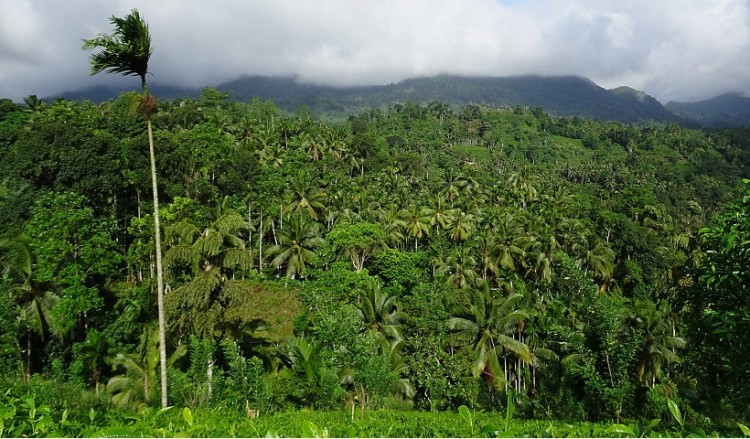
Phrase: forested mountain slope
x=414 y=256
x=727 y=110
x=558 y=95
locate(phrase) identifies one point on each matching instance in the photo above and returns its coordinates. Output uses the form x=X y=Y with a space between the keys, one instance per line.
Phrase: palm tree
x=439 y=214
x=379 y=310
x=305 y=370
x=391 y=221
x=463 y=226
x=92 y=353
x=487 y=326
x=658 y=342
x=312 y=145
x=397 y=367
x=459 y=267
x=127 y=51
x=508 y=239
x=33 y=104
x=596 y=255
x=306 y=196
x=16 y=262
x=417 y=223
x=15 y=258
x=134 y=386
x=452 y=185
x=296 y=243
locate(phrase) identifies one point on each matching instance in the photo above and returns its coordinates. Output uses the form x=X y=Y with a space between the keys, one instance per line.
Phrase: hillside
x=727 y=110
x=415 y=258
x=559 y=95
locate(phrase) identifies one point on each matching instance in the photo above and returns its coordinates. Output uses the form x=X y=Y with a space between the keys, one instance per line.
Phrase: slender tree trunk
x=210 y=376
x=159 y=271
x=273 y=232
x=260 y=243
x=250 y=222
x=505 y=371
x=146 y=384
x=27 y=372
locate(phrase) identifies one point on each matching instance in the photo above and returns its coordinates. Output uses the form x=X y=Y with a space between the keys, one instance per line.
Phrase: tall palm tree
x=459 y=267
x=306 y=196
x=488 y=325
x=297 y=242
x=127 y=51
x=463 y=226
x=379 y=310
x=439 y=214
x=417 y=223
x=658 y=342
x=508 y=238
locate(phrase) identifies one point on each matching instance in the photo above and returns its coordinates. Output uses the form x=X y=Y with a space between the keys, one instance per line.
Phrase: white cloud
x=671 y=49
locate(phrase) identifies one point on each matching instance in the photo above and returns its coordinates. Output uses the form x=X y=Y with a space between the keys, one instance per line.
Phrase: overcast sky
x=672 y=49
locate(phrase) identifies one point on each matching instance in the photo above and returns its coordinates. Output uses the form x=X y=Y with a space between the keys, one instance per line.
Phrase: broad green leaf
x=674 y=409
x=622 y=429
x=653 y=423
x=187 y=415
x=745 y=430
x=465 y=415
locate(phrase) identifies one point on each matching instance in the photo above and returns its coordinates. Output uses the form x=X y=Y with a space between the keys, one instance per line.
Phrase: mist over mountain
x=558 y=95
x=727 y=110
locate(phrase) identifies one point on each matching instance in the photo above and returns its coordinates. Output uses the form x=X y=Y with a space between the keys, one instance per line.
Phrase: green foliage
x=717 y=307
x=75 y=256
x=126 y=51
x=10 y=350
x=296 y=245
x=245 y=383
x=424 y=256
x=357 y=241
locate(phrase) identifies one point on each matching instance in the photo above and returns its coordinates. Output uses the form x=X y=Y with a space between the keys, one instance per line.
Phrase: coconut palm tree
x=379 y=310
x=459 y=267
x=296 y=243
x=439 y=214
x=305 y=369
x=134 y=386
x=417 y=223
x=658 y=342
x=487 y=325
x=127 y=51
x=463 y=226
x=16 y=262
x=508 y=238
x=92 y=354
x=306 y=196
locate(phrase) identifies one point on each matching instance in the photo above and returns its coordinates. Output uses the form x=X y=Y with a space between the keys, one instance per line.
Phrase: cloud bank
x=671 y=49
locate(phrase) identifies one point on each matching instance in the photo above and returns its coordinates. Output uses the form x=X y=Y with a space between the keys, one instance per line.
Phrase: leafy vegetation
x=417 y=270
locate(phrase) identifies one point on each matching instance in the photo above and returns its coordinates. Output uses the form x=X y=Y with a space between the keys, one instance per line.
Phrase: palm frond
x=519 y=349
x=126 y=51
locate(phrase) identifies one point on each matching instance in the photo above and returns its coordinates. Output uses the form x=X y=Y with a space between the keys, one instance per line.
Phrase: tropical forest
x=205 y=266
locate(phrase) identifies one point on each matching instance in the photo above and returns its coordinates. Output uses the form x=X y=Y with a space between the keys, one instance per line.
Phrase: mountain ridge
x=726 y=110
x=558 y=95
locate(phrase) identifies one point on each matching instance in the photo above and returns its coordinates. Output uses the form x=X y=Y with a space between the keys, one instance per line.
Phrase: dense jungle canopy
x=416 y=257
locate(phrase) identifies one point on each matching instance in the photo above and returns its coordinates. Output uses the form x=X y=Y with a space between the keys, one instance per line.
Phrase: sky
x=683 y=50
